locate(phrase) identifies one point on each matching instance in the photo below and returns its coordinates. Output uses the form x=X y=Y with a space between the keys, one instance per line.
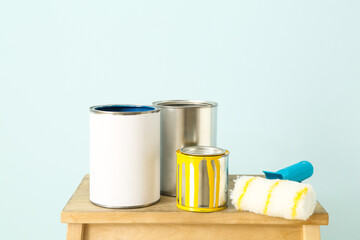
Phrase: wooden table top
x=80 y=210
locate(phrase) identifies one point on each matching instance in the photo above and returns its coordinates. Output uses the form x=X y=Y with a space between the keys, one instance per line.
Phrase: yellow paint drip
x=196 y=185
x=211 y=183
x=213 y=190
x=297 y=199
x=244 y=191
x=217 y=166
x=180 y=180
x=187 y=190
x=269 y=196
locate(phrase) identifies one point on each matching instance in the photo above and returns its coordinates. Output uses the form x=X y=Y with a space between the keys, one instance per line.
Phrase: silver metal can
x=202 y=178
x=183 y=123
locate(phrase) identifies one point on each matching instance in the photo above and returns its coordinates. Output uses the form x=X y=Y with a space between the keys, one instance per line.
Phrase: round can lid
x=203 y=151
x=185 y=104
x=123 y=109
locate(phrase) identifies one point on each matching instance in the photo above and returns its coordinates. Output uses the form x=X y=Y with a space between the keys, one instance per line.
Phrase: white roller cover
x=277 y=198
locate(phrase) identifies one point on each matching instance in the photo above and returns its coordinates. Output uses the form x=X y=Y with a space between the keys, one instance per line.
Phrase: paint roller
x=277 y=197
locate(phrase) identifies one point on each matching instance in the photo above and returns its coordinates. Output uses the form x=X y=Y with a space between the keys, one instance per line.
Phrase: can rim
x=188 y=151
x=185 y=104
x=95 y=109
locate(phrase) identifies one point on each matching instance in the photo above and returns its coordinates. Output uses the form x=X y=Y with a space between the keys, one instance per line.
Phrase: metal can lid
x=203 y=151
x=185 y=104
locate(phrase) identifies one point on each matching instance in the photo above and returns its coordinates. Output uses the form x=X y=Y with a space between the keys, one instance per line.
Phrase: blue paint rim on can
x=123 y=109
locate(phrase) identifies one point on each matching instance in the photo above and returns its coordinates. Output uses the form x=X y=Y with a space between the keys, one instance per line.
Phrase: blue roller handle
x=297 y=172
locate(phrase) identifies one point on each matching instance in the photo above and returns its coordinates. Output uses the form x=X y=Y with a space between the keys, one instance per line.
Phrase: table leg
x=75 y=231
x=311 y=232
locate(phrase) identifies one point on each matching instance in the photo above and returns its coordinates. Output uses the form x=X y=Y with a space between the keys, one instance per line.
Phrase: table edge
x=183 y=217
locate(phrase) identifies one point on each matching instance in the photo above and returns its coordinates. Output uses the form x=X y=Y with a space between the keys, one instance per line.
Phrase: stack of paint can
x=190 y=164
x=129 y=144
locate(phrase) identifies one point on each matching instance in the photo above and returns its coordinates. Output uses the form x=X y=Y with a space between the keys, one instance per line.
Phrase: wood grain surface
x=192 y=231
x=80 y=210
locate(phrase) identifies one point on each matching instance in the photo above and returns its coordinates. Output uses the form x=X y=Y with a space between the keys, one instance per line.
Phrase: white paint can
x=124 y=155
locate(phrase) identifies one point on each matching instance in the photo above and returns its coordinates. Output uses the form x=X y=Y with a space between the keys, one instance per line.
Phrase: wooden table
x=165 y=221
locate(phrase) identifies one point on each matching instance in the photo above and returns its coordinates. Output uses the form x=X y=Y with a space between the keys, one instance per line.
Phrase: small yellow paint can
x=202 y=178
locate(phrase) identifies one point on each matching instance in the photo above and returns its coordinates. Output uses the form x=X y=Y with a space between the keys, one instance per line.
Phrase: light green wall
x=286 y=75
